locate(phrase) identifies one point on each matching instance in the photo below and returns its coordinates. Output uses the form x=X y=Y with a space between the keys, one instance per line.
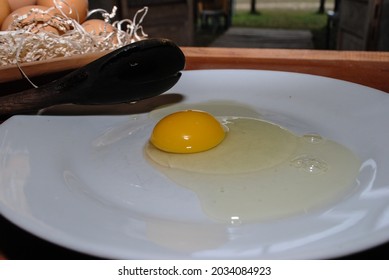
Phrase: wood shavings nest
x=28 y=41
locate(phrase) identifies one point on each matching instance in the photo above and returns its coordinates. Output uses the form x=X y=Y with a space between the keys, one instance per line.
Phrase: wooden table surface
x=365 y=68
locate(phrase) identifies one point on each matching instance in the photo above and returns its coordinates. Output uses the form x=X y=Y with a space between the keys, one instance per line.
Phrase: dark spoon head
x=137 y=71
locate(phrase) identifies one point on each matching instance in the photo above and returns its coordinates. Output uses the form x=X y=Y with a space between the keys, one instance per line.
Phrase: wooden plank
x=365 y=68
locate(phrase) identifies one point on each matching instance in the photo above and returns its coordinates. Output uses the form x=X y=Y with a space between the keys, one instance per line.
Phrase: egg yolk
x=188 y=131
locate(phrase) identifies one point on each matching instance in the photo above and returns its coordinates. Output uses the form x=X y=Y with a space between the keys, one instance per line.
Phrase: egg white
x=261 y=171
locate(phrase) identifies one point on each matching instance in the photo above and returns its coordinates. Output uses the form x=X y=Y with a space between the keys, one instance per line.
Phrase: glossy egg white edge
x=82 y=175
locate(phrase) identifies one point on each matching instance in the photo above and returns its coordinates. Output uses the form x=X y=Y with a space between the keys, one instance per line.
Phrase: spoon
x=134 y=72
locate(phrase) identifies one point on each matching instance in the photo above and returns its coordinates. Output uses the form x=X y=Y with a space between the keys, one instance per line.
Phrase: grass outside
x=284 y=14
x=237 y=3
x=303 y=19
x=281 y=19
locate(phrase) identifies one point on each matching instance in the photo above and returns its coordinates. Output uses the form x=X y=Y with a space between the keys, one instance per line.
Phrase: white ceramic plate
x=84 y=183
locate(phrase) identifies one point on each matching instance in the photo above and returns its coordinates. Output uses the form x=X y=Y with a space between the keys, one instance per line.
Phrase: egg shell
x=25 y=10
x=75 y=9
x=16 y=4
x=97 y=26
x=5 y=10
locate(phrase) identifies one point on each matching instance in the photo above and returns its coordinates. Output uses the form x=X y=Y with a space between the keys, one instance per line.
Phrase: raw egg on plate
x=189 y=131
x=260 y=171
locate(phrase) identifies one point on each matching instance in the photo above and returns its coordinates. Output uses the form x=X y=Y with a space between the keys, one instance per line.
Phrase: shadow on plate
x=139 y=107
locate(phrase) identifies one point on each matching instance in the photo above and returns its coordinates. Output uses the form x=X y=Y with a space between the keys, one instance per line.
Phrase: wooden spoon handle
x=29 y=101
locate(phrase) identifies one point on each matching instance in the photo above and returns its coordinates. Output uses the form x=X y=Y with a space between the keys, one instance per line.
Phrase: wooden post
x=253 y=9
x=321 y=7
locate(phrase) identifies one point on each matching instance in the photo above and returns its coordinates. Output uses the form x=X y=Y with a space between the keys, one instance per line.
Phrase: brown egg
x=100 y=28
x=97 y=27
x=5 y=10
x=40 y=19
x=75 y=9
x=16 y=4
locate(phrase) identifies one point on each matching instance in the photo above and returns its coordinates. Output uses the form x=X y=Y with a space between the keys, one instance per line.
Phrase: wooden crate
x=172 y=19
x=359 y=24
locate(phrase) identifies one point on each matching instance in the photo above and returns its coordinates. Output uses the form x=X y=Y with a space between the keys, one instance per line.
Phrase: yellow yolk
x=189 y=131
